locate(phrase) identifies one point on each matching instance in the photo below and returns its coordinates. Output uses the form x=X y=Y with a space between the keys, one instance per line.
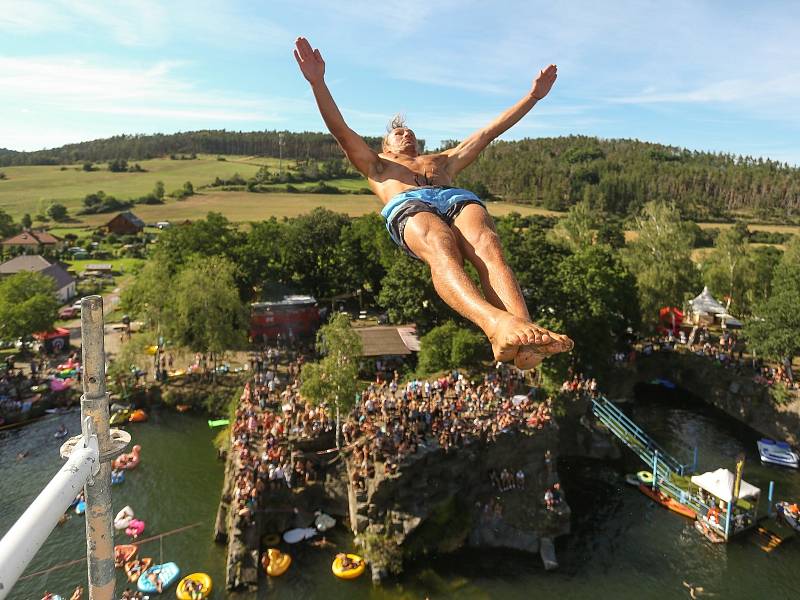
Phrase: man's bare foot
x=512 y=332
x=531 y=356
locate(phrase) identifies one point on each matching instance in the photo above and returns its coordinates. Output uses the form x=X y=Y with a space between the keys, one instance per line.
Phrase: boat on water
x=708 y=532
x=119 y=417
x=632 y=480
x=667 y=502
x=788 y=513
x=777 y=453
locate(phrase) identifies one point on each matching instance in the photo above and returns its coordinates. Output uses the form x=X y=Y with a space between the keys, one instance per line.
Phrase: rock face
x=737 y=395
x=441 y=501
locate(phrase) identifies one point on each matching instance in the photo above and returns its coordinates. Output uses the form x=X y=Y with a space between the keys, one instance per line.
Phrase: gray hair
x=399 y=120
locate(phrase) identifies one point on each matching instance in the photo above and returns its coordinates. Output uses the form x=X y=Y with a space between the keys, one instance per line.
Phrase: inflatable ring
x=275 y=562
x=353 y=573
x=645 y=476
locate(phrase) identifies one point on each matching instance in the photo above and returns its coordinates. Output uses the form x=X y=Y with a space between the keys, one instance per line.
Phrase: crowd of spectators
x=270 y=414
x=392 y=421
x=727 y=349
x=23 y=384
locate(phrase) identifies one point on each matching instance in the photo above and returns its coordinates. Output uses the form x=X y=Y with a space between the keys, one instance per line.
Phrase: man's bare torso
x=395 y=173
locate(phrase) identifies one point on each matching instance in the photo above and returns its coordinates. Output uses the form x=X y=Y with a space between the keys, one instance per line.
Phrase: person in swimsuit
x=443 y=225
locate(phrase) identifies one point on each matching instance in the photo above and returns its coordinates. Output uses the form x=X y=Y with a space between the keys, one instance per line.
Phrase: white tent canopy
x=705 y=303
x=720 y=483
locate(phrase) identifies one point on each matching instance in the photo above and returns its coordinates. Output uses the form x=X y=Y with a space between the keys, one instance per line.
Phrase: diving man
x=442 y=225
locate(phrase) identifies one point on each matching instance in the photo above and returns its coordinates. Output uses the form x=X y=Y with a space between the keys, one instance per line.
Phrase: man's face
x=401 y=140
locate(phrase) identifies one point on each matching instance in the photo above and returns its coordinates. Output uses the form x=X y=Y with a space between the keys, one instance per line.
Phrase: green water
x=177 y=483
x=622 y=546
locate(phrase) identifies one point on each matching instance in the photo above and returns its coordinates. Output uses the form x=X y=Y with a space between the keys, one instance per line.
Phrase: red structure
x=670 y=318
x=294 y=316
x=55 y=341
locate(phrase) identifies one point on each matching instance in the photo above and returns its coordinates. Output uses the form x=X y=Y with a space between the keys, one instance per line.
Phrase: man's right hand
x=310 y=60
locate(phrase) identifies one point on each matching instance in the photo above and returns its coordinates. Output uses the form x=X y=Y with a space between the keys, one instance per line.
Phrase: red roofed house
x=33 y=241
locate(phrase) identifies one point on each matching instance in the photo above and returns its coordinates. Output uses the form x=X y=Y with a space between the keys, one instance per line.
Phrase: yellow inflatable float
x=194 y=587
x=275 y=562
x=348 y=566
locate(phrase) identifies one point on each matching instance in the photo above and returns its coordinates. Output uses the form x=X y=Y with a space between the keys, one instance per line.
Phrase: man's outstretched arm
x=313 y=68
x=468 y=150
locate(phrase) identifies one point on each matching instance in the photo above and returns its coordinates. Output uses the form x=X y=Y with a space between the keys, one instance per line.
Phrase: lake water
x=622 y=545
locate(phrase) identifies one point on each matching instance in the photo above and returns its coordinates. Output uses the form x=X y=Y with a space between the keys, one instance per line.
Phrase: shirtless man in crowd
x=442 y=225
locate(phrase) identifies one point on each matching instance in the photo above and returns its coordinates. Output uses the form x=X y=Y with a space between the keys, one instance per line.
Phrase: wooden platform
x=768 y=538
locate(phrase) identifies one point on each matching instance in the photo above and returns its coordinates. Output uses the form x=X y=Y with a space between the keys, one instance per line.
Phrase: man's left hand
x=544 y=81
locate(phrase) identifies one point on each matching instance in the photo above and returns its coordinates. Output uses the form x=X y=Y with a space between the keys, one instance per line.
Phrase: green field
x=32 y=189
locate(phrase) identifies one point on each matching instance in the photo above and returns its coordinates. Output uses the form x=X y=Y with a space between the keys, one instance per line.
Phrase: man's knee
x=487 y=247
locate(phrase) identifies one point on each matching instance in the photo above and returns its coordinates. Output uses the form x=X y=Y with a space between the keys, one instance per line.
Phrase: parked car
x=163 y=224
x=69 y=312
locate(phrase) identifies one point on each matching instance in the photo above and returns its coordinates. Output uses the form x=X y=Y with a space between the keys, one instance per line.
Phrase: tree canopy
x=28 y=304
x=333 y=380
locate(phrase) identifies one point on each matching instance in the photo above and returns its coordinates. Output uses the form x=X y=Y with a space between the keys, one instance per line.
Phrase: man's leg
x=478 y=242
x=434 y=242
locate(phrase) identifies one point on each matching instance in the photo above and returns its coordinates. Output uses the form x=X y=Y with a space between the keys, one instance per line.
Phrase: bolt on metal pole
x=94 y=404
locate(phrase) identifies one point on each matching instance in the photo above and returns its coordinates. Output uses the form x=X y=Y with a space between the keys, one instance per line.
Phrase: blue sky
x=721 y=76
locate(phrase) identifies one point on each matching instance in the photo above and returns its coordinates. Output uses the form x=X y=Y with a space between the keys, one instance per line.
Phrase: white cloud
x=143 y=22
x=52 y=100
x=34 y=17
x=86 y=86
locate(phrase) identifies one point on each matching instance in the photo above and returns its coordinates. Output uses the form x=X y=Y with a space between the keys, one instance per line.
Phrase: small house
x=32 y=242
x=64 y=282
x=125 y=223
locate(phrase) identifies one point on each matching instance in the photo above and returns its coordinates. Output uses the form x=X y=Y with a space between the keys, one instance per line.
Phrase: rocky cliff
x=441 y=501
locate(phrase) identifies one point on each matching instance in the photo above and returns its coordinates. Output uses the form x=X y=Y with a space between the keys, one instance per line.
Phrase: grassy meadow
x=32 y=189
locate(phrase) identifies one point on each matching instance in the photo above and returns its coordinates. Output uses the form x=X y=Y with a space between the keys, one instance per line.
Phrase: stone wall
x=438 y=500
x=705 y=380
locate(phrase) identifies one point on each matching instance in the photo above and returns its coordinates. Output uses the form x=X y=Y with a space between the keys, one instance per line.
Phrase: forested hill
x=615 y=175
x=320 y=146
x=621 y=175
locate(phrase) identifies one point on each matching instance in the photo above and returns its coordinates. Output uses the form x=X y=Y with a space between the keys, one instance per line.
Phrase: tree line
x=620 y=176
x=579 y=276
x=292 y=145
x=616 y=176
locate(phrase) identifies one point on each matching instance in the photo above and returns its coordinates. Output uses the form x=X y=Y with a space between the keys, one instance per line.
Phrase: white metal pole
x=26 y=536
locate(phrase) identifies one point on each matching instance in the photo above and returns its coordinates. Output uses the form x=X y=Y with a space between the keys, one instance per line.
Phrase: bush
x=323 y=188
x=436 y=348
x=769 y=237
x=468 y=348
x=119 y=165
x=57 y=212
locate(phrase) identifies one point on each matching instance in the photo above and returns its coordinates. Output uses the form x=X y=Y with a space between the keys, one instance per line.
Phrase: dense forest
x=620 y=176
x=319 y=146
x=615 y=176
